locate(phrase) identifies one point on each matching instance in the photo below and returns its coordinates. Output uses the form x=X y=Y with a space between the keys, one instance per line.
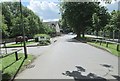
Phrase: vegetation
x=11 y=21
x=90 y=18
x=42 y=35
x=10 y=65
x=19 y=44
x=111 y=48
x=79 y=16
x=0 y=65
x=45 y=39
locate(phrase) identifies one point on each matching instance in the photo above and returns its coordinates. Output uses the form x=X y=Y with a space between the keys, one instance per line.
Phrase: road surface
x=61 y=59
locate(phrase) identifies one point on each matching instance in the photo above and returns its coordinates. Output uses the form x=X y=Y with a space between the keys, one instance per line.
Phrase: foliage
x=48 y=29
x=42 y=42
x=64 y=26
x=114 y=24
x=12 y=26
x=42 y=35
x=78 y=15
x=3 y=27
x=96 y=23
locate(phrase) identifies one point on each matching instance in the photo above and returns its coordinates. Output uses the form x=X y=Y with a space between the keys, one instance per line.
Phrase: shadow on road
x=77 y=41
x=78 y=76
x=117 y=77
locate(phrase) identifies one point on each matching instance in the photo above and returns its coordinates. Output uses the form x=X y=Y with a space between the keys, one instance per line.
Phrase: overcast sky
x=48 y=10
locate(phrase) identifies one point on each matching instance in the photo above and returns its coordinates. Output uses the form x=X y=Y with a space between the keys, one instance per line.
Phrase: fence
x=6 y=55
x=107 y=43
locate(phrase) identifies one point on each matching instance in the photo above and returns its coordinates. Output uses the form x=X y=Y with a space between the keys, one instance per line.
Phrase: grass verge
x=19 y=44
x=10 y=66
x=111 y=47
x=0 y=64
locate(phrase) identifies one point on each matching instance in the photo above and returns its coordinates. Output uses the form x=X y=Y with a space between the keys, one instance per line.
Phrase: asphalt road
x=64 y=59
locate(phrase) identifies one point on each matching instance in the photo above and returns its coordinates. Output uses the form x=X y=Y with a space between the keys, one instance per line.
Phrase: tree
x=78 y=15
x=96 y=23
x=116 y=22
x=3 y=27
x=65 y=27
x=12 y=25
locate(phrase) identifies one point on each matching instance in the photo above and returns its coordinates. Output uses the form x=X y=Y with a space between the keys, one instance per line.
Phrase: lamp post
x=23 y=30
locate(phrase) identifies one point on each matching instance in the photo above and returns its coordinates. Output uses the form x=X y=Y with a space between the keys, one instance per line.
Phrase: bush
x=42 y=35
x=42 y=42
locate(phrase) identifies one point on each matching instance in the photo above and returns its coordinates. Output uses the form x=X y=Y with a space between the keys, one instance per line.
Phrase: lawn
x=19 y=44
x=0 y=64
x=111 y=47
x=10 y=66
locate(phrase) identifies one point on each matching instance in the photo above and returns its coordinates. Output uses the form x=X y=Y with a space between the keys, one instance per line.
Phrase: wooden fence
x=107 y=43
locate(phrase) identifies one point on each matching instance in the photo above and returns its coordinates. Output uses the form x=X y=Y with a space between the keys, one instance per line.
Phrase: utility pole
x=118 y=30
x=23 y=30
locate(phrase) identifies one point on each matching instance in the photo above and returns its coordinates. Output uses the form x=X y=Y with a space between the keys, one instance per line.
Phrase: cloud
x=113 y=6
x=44 y=9
x=50 y=20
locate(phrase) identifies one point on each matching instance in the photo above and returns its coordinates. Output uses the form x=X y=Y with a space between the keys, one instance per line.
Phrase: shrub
x=42 y=42
x=42 y=35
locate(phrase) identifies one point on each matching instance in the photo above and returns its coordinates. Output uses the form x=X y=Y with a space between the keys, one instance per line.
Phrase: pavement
x=70 y=59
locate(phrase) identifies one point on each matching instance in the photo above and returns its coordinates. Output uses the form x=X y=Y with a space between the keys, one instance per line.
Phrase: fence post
x=5 y=46
x=100 y=42
x=96 y=41
x=106 y=44
x=16 y=55
x=117 y=47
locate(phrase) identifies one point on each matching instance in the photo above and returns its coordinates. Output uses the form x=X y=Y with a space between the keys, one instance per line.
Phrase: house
x=54 y=24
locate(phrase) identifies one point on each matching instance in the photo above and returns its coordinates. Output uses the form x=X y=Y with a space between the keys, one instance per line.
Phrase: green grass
x=0 y=64
x=10 y=65
x=111 y=47
x=19 y=44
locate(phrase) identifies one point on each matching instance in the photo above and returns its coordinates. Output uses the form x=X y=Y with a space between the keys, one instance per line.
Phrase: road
x=62 y=57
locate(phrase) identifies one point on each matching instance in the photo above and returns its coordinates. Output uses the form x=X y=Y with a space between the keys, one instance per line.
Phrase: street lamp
x=23 y=30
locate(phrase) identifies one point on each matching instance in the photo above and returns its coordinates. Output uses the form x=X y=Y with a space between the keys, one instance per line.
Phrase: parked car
x=20 y=39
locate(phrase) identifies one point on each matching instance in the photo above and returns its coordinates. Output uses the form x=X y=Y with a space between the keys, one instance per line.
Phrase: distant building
x=54 y=24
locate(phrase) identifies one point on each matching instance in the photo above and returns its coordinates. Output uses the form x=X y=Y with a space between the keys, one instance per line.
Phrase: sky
x=48 y=10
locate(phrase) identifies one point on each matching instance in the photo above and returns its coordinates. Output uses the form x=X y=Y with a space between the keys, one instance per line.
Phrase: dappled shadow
x=106 y=65
x=72 y=40
x=117 y=77
x=78 y=76
x=77 y=41
x=109 y=67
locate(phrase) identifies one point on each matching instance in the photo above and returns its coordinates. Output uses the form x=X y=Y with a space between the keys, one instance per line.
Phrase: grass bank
x=111 y=47
x=10 y=66
x=20 y=44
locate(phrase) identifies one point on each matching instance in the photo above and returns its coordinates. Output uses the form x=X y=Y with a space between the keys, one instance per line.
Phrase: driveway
x=70 y=59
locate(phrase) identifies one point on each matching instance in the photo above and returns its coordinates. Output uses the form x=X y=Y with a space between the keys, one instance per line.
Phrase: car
x=20 y=39
x=71 y=33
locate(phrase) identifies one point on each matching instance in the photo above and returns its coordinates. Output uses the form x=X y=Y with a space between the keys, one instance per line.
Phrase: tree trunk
x=78 y=35
x=97 y=33
x=83 y=34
